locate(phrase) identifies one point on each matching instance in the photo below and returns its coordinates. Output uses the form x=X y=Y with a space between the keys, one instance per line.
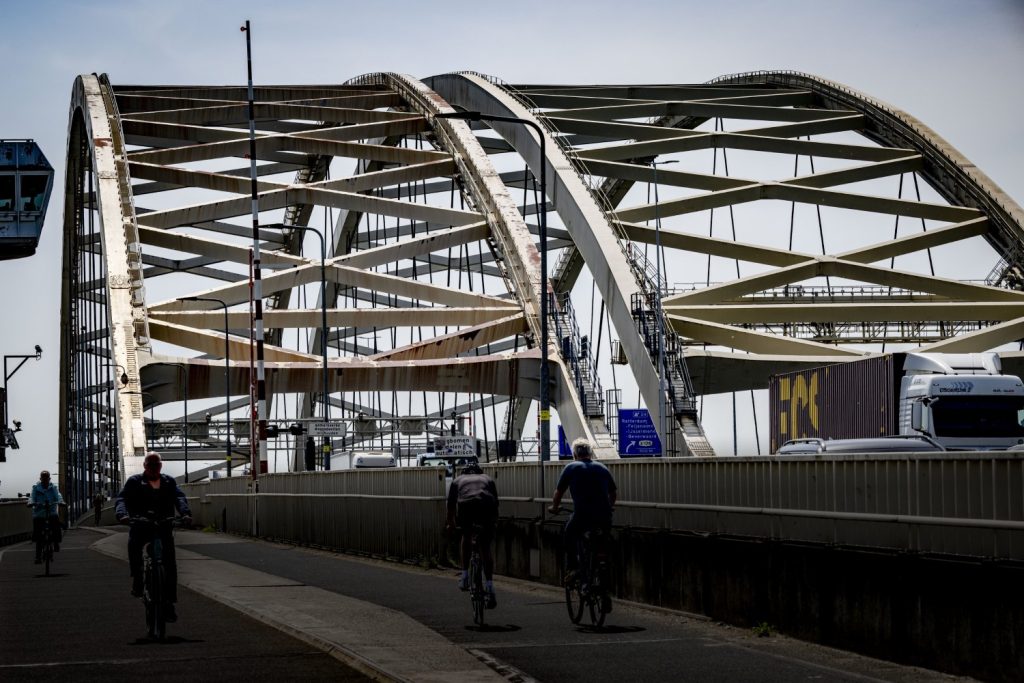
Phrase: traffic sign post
x=637 y=435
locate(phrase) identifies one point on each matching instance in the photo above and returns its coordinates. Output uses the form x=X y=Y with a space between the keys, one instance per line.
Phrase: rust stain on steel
x=102 y=142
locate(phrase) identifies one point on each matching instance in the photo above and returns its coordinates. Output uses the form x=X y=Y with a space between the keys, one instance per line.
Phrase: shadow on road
x=169 y=640
x=494 y=628
x=610 y=629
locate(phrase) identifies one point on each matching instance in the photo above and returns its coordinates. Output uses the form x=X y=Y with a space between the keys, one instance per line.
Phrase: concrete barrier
x=15 y=521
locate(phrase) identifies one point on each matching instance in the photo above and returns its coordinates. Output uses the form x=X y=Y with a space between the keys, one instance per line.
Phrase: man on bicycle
x=593 y=496
x=156 y=496
x=43 y=500
x=473 y=499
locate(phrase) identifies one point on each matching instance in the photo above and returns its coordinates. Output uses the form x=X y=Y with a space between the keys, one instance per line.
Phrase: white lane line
x=508 y=671
x=589 y=643
x=14 y=548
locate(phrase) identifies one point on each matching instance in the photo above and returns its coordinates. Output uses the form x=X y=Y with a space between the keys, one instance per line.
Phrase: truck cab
x=962 y=401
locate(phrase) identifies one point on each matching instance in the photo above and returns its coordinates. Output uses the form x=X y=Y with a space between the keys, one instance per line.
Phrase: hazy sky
x=954 y=64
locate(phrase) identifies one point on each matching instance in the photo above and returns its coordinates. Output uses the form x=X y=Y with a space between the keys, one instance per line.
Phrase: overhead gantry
x=432 y=273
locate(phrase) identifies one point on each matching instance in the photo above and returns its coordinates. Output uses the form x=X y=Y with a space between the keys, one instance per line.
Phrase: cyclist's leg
x=170 y=569
x=136 y=541
x=571 y=542
x=37 y=536
x=55 y=532
x=463 y=520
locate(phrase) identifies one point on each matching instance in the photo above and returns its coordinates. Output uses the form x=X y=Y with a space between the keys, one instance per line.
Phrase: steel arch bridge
x=432 y=272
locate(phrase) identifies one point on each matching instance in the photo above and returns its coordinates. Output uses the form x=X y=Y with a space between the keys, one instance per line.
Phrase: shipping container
x=855 y=399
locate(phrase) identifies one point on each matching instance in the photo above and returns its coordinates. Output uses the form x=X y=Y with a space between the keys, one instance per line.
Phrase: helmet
x=472 y=468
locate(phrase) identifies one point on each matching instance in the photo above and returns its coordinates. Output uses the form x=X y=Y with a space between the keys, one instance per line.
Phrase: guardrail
x=986 y=485
x=968 y=504
x=15 y=521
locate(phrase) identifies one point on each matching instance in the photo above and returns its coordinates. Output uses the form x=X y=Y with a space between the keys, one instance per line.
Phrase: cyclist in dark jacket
x=473 y=499
x=156 y=496
x=593 y=493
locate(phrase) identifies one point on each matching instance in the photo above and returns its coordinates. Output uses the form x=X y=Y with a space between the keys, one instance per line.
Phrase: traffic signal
x=273 y=431
x=296 y=429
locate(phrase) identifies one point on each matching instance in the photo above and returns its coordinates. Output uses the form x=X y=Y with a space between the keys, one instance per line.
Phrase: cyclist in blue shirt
x=43 y=500
x=593 y=493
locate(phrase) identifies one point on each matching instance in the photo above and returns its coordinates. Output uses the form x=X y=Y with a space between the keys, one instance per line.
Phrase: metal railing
x=950 y=485
x=965 y=504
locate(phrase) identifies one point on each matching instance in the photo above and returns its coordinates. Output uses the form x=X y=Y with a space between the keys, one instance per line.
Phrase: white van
x=885 y=444
x=372 y=460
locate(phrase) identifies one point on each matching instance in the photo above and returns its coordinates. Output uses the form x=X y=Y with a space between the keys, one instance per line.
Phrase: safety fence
x=965 y=504
x=15 y=521
x=986 y=485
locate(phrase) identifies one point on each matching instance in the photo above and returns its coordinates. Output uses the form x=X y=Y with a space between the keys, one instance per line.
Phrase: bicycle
x=477 y=592
x=587 y=588
x=154 y=574
x=48 y=544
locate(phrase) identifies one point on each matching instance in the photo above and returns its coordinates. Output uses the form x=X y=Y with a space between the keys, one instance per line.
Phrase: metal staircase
x=576 y=353
x=679 y=391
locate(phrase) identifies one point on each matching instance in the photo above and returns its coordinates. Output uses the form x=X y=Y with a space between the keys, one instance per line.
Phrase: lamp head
x=39 y=351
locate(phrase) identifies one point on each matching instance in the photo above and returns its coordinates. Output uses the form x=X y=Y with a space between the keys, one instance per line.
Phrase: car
x=883 y=444
x=453 y=464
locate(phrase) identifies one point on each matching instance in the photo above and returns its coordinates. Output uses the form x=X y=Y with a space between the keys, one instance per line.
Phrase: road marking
x=14 y=548
x=604 y=642
x=506 y=670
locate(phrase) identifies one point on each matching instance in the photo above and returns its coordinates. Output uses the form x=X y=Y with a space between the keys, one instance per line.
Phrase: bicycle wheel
x=47 y=556
x=595 y=605
x=574 y=600
x=476 y=587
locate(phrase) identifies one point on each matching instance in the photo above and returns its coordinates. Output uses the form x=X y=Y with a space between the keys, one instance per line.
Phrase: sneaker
x=170 y=615
x=137 y=587
x=492 y=601
x=464 y=582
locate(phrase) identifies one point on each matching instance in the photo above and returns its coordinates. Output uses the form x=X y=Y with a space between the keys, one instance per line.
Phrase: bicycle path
x=389 y=613
x=81 y=624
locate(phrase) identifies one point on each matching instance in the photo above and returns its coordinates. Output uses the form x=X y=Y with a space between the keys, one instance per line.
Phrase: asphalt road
x=80 y=624
x=532 y=634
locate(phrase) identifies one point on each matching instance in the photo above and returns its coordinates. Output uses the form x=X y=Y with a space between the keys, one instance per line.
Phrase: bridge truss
x=432 y=292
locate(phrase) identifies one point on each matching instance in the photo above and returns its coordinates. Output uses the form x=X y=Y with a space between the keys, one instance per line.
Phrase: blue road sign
x=564 y=451
x=637 y=435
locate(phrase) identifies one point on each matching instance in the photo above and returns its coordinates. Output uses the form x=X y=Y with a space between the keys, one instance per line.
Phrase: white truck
x=960 y=401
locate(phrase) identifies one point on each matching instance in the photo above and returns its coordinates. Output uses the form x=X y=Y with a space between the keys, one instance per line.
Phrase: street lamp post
x=323 y=324
x=545 y=389
x=227 y=370
x=662 y=384
x=24 y=358
x=184 y=433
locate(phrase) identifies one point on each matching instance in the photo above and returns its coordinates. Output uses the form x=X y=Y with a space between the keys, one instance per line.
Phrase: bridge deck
x=393 y=620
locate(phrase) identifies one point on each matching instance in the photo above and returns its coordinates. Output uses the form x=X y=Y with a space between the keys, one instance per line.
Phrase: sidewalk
x=381 y=642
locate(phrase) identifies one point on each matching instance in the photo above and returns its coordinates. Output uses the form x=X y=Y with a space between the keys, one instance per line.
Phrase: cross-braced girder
x=426 y=256
x=430 y=262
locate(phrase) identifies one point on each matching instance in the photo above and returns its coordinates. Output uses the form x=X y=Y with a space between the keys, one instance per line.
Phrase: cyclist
x=43 y=500
x=593 y=493
x=473 y=499
x=157 y=497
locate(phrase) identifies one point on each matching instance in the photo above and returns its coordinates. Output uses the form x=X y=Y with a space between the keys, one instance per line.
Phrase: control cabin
x=26 y=180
